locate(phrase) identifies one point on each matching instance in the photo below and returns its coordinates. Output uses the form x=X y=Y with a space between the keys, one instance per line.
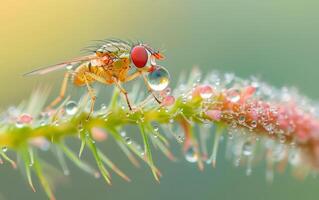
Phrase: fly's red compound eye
x=139 y=56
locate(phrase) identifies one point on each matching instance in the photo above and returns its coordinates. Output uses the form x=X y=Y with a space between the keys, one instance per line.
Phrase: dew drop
x=180 y=139
x=19 y=124
x=103 y=107
x=156 y=129
x=282 y=139
x=206 y=92
x=247 y=148
x=123 y=133
x=4 y=149
x=294 y=157
x=80 y=127
x=233 y=95
x=43 y=123
x=248 y=171
x=71 y=108
x=237 y=162
x=279 y=152
x=230 y=135
x=191 y=155
x=269 y=128
x=241 y=119
x=66 y=172
x=158 y=79
x=128 y=140
x=69 y=67
x=253 y=124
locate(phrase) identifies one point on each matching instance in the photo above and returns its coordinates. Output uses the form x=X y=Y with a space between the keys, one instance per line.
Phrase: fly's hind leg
x=123 y=91
x=92 y=95
x=62 y=92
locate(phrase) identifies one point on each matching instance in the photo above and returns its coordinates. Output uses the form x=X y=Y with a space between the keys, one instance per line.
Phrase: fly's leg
x=150 y=90
x=137 y=74
x=92 y=96
x=133 y=76
x=123 y=91
x=62 y=92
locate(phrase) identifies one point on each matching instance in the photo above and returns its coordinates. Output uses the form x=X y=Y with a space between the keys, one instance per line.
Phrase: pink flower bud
x=168 y=101
x=98 y=134
x=25 y=118
x=214 y=114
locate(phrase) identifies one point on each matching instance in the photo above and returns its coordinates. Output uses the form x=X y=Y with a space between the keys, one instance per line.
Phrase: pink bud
x=168 y=101
x=99 y=134
x=214 y=114
x=40 y=142
x=248 y=92
x=25 y=118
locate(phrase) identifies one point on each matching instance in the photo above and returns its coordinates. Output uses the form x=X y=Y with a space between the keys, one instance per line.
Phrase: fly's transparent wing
x=59 y=66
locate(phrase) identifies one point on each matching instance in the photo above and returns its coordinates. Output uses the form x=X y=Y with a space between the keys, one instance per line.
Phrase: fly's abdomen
x=87 y=73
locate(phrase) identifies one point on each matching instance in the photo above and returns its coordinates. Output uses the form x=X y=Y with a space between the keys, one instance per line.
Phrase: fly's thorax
x=120 y=68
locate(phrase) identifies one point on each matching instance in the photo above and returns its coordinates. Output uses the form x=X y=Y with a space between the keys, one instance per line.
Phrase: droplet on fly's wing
x=71 y=108
x=158 y=79
x=69 y=67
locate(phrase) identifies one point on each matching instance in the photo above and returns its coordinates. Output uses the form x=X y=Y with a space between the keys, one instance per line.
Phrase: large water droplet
x=158 y=79
x=191 y=155
x=71 y=108
x=247 y=148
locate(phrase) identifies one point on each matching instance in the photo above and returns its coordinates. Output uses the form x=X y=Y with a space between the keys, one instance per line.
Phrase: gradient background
x=277 y=40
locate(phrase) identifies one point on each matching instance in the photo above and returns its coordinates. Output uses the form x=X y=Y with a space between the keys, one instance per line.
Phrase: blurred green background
x=277 y=40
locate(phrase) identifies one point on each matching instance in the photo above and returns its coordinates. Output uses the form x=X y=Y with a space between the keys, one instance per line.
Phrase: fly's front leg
x=123 y=91
x=150 y=89
x=62 y=92
x=92 y=95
